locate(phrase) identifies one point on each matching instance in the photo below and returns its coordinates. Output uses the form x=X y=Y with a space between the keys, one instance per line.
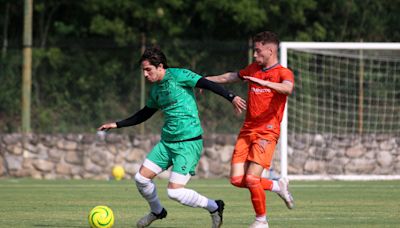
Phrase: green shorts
x=182 y=156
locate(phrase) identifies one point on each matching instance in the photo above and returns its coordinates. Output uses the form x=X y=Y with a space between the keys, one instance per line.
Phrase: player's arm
x=229 y=77
x=285 y=87
x=238 y=103
x=137 y=118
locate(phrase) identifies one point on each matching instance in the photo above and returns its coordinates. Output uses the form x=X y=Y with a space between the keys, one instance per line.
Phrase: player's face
x=262 y=52
x=152 y=73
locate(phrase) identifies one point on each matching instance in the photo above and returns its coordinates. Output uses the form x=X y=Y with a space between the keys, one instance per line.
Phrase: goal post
x=341 y=89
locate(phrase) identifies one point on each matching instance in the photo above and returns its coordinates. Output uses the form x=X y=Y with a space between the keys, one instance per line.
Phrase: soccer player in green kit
x=181 y=141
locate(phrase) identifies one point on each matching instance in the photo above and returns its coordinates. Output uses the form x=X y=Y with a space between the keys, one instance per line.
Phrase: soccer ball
x=118 y=172
x=101 y=217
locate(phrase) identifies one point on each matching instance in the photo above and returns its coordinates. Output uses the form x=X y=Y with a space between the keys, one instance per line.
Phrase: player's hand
x=239 y=104
x=107 y=126
x=255 y=80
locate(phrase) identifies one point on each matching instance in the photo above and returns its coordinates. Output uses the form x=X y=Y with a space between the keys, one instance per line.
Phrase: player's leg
x=185 y=160
x=239 y=162
x=260 y=157
x=258 y=197
x=154 y=164
x=262 y=153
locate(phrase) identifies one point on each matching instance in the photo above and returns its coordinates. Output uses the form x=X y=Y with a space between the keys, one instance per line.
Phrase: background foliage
x=85 y=52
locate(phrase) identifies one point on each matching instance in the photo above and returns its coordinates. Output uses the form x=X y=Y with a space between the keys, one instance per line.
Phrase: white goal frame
x=283 y=140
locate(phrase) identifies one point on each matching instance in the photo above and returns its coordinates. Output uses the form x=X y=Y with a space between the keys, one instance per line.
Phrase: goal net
x=343 y=118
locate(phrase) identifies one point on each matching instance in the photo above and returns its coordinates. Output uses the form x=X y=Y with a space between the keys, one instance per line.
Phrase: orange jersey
x=265 y=106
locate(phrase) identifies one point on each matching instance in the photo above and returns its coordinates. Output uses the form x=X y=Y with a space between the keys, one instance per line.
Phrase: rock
x=203 y=167
x=225 y=139
x=114 y=138
x=13 y=162
x=313 y=166
x=67 y=145
x=15 y=149
x=92 y=168
x=215 y=167
x=74 y=157
x=226 y=153
x=388 y=144
x=112 y=149
x=88 y=138
x=63 y=169
x=55 y=155
x=387 y=170
x=131 y=169
x=135 y=155
x=384 y=158
x=31 y=148
x=212 y=152
x=319 y=140
x=2 y=168
x=101 y=158
x=360 y=166
x=298 y=161
x=355 y=151
x=336 y=166
x=334 y=153
x=43 y=165
x=10 y=139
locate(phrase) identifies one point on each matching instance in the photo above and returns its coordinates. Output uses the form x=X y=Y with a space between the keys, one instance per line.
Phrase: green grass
x=66 y=203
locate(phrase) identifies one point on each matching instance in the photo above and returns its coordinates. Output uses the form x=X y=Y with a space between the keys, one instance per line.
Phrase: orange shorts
x=255 y=148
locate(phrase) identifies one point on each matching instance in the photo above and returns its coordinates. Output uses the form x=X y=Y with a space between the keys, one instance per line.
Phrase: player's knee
x=252 y=181
x=238 y=181
x=175 y=194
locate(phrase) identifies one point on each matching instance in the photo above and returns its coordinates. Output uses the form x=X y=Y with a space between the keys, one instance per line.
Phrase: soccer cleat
x=217 y=215
x=284 y=192
x=151 y=217
x=259 y=224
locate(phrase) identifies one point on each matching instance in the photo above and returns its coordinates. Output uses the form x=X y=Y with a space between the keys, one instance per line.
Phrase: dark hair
x=155 y=57
x=266 y=37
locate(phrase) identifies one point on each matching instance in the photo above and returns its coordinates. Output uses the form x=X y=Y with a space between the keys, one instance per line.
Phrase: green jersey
x=175 y=97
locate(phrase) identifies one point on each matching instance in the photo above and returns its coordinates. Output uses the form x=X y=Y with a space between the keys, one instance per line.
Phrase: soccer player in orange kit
x=269 y=84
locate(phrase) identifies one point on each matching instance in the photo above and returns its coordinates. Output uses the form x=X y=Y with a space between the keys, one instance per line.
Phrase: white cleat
x=284 y=193
x=259 y=224
x=151 y=217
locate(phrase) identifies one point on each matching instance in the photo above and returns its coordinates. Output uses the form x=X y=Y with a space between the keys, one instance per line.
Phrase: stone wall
x=370 y=154
x=91 y=156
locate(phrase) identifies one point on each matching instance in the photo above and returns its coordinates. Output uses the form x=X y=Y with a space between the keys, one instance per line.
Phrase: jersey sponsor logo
x=260 y=90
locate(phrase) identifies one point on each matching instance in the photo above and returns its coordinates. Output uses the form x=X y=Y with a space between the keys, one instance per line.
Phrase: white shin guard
x=187 y=197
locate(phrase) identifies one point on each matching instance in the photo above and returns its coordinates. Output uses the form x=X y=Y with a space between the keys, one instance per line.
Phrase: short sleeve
x=185 y=77
x=287 y=75
x=248 y=70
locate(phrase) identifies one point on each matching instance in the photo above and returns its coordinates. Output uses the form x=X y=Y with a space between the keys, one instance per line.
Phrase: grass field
x=66 y=203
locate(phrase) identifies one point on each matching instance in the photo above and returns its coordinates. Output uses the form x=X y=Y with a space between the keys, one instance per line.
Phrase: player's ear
x=161 y=65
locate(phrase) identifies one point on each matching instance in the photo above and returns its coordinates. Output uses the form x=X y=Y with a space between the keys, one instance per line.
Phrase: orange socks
x=257 y=194
x=256 y=185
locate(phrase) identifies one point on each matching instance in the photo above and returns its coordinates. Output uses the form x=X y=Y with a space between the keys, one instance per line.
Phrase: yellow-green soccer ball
x=118 y=172
x=101 y=217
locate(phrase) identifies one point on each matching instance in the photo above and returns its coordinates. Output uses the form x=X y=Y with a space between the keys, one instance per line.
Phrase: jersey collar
x=269 y=68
